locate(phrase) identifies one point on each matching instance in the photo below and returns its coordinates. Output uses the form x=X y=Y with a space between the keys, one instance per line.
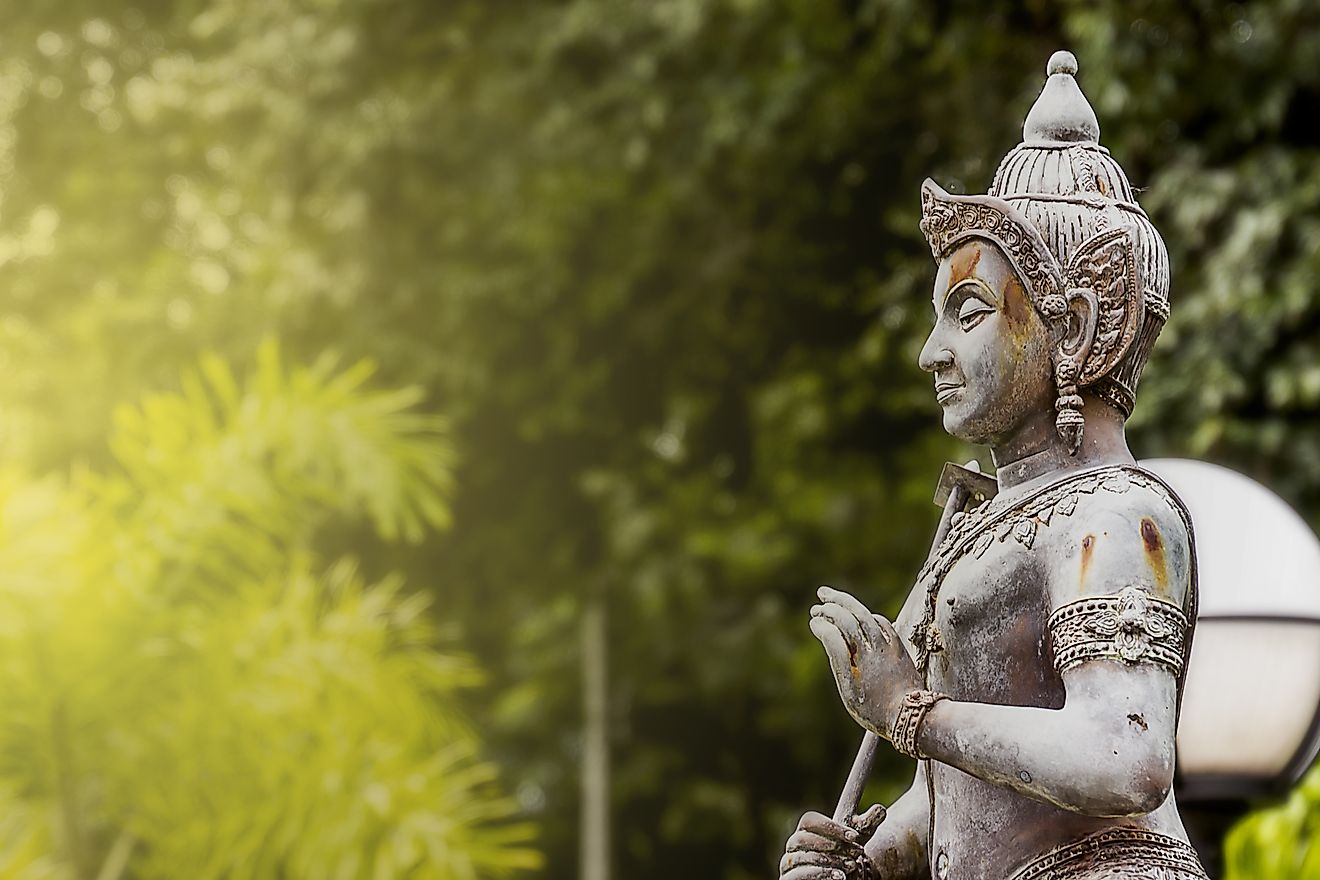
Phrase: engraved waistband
x=1114 y=848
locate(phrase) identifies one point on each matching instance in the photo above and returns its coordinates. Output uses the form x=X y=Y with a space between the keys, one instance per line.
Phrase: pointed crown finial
x=1061 y=114
x=1062 y=61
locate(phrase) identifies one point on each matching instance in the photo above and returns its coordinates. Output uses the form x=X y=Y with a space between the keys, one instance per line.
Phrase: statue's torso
x=990 y=612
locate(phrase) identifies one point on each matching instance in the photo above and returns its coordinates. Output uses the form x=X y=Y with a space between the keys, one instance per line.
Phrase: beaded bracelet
x=911 y=714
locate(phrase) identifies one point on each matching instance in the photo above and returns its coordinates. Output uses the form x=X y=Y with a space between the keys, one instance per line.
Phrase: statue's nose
x=935 y=355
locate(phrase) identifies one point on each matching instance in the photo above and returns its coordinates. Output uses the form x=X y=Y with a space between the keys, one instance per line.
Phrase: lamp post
x=1250 y=724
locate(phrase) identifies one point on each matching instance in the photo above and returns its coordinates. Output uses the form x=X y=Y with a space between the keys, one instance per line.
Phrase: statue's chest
x=989 y=618
x=981 y=632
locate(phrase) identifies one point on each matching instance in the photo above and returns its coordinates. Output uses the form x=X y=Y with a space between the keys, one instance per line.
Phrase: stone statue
x=1036 y=669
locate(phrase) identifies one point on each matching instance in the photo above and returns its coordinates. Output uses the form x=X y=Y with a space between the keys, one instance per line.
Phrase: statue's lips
x=946 y=391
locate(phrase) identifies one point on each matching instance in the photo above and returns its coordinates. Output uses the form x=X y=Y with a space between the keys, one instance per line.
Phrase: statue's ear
x=1079 y=325
x=1103 y=272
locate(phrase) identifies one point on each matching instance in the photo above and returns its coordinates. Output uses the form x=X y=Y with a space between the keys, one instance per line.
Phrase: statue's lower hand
x=870 y=662
x=822 y=849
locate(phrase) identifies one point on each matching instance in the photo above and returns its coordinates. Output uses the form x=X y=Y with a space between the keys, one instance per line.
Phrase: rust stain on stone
x=1088 y=548
x=964 y=264
x=890 y=859
x=1154 y=546
x=1017 y=305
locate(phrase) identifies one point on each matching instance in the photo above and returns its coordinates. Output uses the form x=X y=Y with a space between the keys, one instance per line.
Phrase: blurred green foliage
x=658 y=264
x=1280 y=841
x=191 y=691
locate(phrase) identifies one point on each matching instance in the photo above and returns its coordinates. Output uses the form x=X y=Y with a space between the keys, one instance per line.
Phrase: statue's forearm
x=898 y=848
x=1100 y=762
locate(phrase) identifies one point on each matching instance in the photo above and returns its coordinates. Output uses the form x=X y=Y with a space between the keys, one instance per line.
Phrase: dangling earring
x=1069 y=421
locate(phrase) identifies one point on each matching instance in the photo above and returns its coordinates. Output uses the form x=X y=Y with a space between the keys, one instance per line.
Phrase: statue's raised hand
x=822 y=849
x=870 y=663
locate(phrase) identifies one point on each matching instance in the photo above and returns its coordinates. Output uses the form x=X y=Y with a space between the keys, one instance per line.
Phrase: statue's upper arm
x=1118 y=629
x=1121 y=576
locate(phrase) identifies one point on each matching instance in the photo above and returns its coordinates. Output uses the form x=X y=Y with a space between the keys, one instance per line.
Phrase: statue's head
x=1052 y=284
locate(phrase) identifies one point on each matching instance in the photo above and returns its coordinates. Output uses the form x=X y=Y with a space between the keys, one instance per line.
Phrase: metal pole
x=595 y=832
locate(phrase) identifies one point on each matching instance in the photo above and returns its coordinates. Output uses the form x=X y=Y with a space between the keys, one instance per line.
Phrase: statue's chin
x=970 y=430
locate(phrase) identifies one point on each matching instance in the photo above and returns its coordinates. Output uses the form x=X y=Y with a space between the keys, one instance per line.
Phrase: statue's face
x=989 y=350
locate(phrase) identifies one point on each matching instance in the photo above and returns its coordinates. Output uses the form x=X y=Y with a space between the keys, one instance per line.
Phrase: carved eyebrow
x=978 y=288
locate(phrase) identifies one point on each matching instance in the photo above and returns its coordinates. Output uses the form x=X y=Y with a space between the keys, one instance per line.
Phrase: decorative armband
x=1132 y=626
x=910 y=716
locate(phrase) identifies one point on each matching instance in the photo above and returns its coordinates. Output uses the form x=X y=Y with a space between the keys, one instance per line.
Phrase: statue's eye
x=972 y=312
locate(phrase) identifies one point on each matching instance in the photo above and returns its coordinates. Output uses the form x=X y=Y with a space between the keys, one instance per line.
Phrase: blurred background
x=423 y=424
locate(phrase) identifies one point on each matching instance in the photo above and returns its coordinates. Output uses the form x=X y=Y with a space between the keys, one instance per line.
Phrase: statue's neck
x=1036 y=453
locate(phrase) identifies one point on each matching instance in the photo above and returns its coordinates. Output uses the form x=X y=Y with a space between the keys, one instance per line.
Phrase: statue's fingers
x=793 y=860
x=844 y=620
x=802 y=840
x=814 y=872
x=867 y=822
x=854 y=606
x=835 y=648
x=888 y=634
x=819 y=823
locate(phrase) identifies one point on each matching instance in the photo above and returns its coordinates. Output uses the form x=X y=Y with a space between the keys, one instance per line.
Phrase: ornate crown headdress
x=1062 y=211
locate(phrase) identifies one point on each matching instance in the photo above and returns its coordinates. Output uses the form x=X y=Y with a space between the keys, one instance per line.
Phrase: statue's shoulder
x=1123 y=497
x=1115 y=498
x=1125 y=526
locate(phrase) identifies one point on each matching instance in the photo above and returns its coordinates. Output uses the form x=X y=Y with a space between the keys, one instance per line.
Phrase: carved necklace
x=976 y=530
